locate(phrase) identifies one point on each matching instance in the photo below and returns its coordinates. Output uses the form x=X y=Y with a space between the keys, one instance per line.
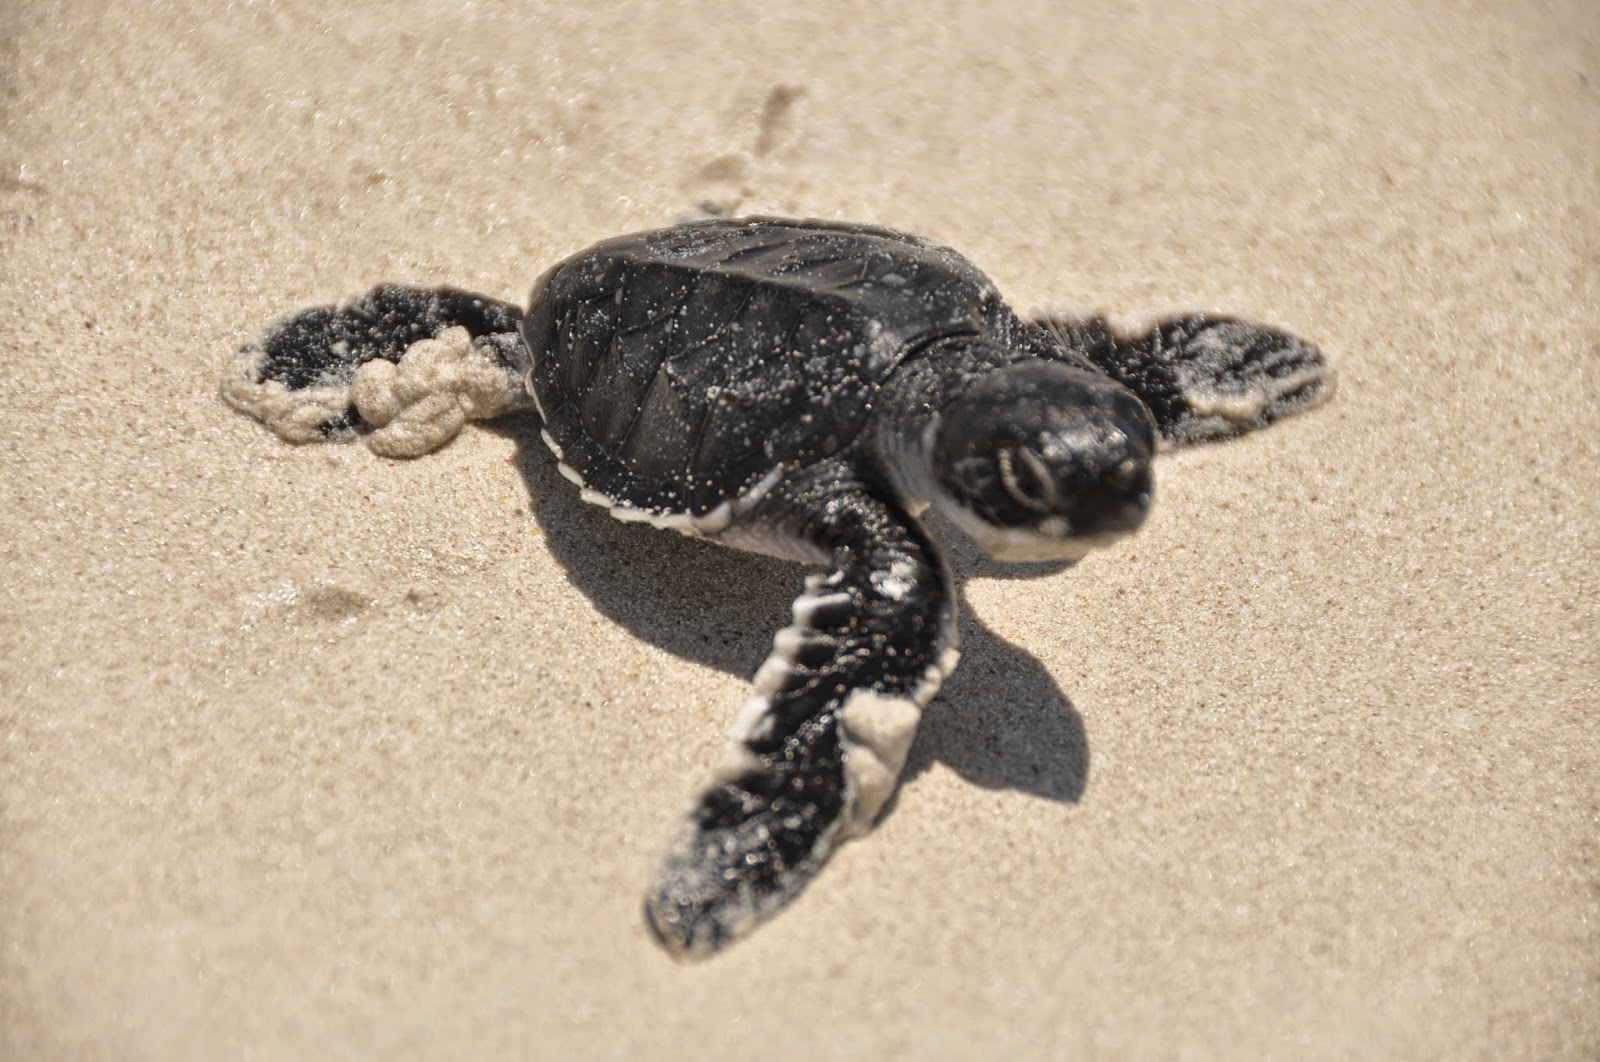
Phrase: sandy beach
x=306 y=753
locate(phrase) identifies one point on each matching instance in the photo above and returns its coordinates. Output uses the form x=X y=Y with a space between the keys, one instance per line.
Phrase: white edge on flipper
x=414 y=406
x=876 y=729
x=1212 y=409
x=294 y=416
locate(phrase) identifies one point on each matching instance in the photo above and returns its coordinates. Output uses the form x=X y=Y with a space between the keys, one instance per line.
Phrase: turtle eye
x=1026 y=478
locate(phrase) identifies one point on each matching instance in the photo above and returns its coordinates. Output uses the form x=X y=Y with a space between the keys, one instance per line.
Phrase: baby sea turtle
x=803 y=389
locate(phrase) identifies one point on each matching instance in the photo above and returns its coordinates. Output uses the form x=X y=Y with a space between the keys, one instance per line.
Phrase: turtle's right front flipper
x=818 y=750
x=403 y=368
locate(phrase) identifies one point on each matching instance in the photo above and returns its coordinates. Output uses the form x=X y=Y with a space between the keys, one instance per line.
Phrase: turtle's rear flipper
x=818 y=750
x=1204 y=378
x=402 y=368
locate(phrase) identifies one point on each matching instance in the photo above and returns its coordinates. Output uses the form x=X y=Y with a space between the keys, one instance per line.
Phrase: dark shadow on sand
x=1000 y=721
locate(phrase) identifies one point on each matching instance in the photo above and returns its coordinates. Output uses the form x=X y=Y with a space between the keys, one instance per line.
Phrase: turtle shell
x=676 y=369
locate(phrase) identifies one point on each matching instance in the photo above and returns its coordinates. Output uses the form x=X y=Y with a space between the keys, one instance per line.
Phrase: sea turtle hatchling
x=803 y=389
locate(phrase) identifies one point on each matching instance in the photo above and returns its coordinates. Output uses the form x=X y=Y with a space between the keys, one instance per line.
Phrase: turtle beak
x=1116 y=506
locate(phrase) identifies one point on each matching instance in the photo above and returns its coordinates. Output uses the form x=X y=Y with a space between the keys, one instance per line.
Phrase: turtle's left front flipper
x=818 y=750
x=402 y=368
x=1204 y=378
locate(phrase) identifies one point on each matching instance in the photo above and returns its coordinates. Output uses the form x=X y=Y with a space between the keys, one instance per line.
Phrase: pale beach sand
x=309 y=754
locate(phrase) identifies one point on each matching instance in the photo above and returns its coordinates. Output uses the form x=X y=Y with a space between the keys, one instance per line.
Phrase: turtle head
x=1041 y=461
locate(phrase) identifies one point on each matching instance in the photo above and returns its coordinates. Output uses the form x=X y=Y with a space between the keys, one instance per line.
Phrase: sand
x=306 y=753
